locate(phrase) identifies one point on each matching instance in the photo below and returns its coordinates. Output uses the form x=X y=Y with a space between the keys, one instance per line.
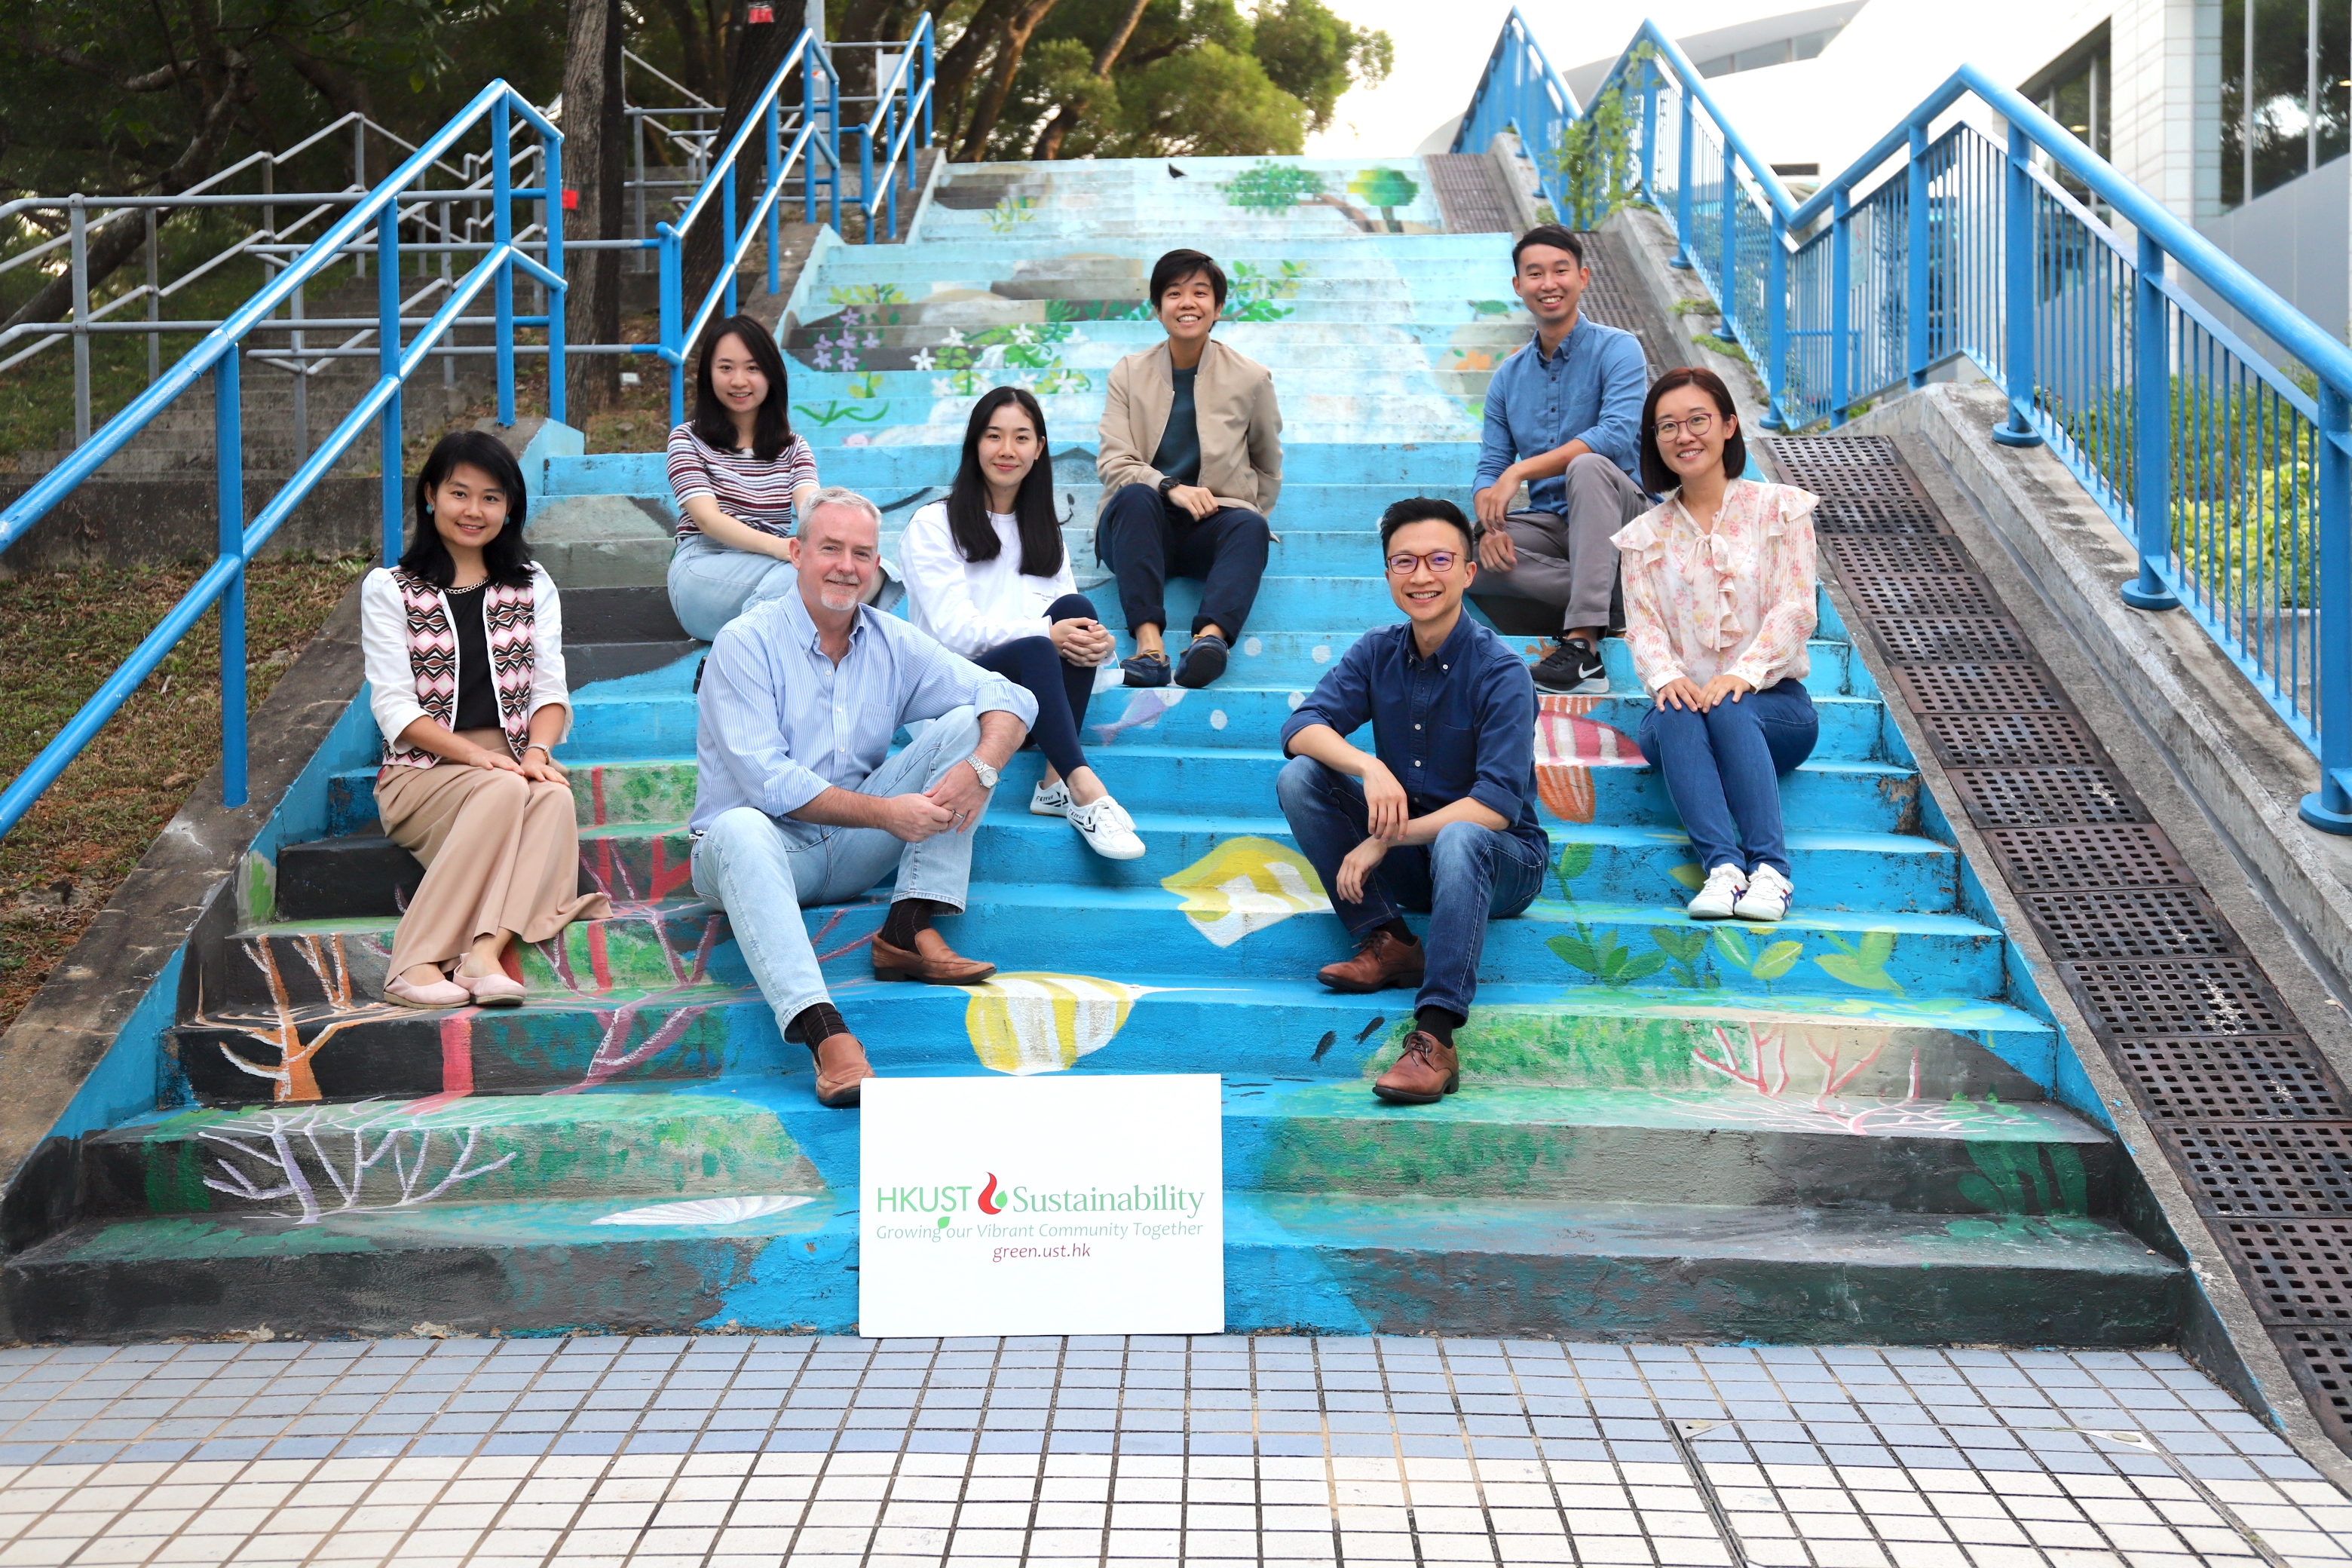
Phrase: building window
x=2073 y=90
x=2286 y=91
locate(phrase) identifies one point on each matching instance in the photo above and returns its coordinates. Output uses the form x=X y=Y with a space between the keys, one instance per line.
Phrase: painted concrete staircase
x=1845 y=1127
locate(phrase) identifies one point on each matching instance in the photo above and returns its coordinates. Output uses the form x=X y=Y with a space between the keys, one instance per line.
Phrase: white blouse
x=972 y=606
x=392 y=681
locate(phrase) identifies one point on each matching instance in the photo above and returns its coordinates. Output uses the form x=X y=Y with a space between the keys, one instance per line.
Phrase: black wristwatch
x=1168 y=482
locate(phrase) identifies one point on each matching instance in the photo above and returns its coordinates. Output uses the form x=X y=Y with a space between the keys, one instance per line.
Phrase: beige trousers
x=501 y=853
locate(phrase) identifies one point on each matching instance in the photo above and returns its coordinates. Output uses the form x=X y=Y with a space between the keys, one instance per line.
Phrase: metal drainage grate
x=1976 y=688
x=1945 y=638
x=2238 y=1079
x=2321 y=1360
x=2089 y=855
x=1989 y=739
x=2268 y=1168
x=1905 y=557
x=2120 y=923
x=2303 y=1266
x=1844 y=468
x=2029 y=797
x=1874 y=514
x=1921 y=592
x=2218 y=996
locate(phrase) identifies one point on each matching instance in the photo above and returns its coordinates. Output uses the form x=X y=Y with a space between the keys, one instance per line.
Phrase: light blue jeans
x=764 y=870
x=710 y=585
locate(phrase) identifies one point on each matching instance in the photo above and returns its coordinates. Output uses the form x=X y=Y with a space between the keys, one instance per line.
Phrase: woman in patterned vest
x=465 y=663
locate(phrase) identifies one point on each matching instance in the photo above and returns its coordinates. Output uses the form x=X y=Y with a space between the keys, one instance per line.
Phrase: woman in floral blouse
x=1720 y=601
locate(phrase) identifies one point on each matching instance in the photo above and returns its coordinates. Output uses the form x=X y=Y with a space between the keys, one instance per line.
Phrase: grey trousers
x=1567 y=561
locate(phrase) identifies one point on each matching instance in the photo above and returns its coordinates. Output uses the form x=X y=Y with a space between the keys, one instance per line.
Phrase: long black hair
x=1033 y=504
x=771 y=431
x=505 y=556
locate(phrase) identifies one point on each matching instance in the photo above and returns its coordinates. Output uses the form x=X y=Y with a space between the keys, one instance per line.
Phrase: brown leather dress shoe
x=932 y=962
x=840 y=1068
x=1381 y=962
x=1425 y=1073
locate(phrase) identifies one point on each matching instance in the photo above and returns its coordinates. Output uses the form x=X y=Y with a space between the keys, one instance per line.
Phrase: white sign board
x=1085 y=1205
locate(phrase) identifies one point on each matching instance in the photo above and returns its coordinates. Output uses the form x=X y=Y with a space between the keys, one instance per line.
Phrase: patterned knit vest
x=433 y=660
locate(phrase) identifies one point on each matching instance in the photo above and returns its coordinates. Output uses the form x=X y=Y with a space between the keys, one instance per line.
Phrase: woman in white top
x=986 y=574
x=464 y=644
x=1720 y=601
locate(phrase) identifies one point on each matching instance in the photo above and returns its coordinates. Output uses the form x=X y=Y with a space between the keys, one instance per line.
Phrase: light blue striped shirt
x=780 y=723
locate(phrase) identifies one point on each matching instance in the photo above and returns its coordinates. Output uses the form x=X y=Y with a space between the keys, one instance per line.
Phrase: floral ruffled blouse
x=1737 y=599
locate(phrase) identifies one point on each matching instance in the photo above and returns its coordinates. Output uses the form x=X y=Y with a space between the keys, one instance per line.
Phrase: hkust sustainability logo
x=998 y=1211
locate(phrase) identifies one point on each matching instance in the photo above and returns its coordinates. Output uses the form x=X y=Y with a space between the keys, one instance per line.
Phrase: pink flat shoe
x=440 y=993
x=492 y=990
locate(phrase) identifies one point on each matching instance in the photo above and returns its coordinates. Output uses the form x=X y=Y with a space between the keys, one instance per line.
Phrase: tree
x=593 y=158
x=1387 y=189
x=1315 y=56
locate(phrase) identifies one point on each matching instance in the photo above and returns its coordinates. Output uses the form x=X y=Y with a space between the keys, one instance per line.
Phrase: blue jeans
x=710 y=585
x=764 y=870
x=1467 y=876
x=1723 y=767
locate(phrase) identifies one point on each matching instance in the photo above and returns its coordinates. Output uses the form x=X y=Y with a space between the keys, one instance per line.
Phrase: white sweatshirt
x=974 y=605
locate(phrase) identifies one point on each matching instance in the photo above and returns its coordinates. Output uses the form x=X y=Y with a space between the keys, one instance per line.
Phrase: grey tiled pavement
x=728 y=1450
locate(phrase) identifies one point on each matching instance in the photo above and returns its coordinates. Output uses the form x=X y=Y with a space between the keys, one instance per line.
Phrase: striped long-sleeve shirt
x=746 y=488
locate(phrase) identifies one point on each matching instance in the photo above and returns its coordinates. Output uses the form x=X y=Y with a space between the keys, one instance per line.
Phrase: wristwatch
x=1169 y=482
x=986 y=775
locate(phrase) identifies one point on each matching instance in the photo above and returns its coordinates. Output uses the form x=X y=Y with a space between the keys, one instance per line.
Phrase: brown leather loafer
x=840 y=1068
x=1425 y=1073
x=1381 y=962
x=932 y=962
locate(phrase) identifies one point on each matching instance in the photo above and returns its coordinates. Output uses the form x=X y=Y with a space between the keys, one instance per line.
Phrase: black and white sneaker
x=1572 y=668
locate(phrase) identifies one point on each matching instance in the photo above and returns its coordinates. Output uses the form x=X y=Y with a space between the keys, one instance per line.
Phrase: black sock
x=817 y=1023
x=1401 y=931
x=907 y=916
x=1438 y=1021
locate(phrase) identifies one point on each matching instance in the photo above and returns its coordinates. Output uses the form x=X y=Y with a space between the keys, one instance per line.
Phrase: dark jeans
x=1062 y=689
x=1467 y=876
x=1724 y=766
x=1145 y=541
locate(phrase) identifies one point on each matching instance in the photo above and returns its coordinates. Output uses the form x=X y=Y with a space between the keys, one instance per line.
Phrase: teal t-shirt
x=1179 y=456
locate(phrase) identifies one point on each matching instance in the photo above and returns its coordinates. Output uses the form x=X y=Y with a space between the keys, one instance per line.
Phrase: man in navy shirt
x=1440 y=814
x=1561 y=418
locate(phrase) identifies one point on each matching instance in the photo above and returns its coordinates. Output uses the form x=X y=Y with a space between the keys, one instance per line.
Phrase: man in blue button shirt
x=1440 y=814
x=798 y=800
x=1561 y=419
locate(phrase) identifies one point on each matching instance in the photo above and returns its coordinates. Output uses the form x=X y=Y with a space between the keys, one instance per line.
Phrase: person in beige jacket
x=1190 y=461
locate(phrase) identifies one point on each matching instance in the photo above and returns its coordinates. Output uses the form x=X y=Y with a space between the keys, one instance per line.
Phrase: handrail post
x=809 y=63
x=929 y=37
x=1777 y=414
x=2018 y=430
x=672 y=327
x=501 y=237
x=558 y=295
x=387 y=343
x=154 y=303
x=772 y=189
x=1681 y=256
x=77 y=225
x=228 y=468
x=1841 y=307
x=2329 y=808
x=727 y=232
x=2151 y=431
x=1649 y=131
x=1727 y=274
x=1914 y=314
x=865 y=177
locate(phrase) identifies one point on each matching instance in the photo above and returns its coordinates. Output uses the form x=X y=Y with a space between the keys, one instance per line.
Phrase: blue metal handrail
x=820 y=128
x=895 y=102
x=220 y=354
x=2232 y=483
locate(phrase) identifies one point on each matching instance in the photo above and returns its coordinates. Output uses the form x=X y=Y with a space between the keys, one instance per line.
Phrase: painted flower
x=923 y=360
x=873 y=340
x=1024 y=333
x=954 y=338
x=942 y=386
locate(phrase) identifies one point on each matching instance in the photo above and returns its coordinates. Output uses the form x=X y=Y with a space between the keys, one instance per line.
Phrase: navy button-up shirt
x=1590 y=391
x=1458 y=724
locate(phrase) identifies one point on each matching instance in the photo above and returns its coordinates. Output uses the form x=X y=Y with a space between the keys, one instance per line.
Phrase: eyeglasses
x=1698 y=425
x=1441 y=562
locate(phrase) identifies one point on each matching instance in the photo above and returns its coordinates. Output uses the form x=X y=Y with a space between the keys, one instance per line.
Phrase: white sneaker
x=1716 y=899
x=1050 y=800
x=1109 y=831
x=1767 y=898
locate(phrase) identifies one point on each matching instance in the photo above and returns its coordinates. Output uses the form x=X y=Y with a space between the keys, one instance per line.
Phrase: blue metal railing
x=220 y=355
x=899 y=106
x=820 y=128
x=2232 y=481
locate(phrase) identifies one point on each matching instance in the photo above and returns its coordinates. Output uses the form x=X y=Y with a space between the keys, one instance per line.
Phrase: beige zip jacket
x=1232 y=399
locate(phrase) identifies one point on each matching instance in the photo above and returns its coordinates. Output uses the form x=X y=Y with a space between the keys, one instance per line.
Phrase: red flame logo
x=988 y=1197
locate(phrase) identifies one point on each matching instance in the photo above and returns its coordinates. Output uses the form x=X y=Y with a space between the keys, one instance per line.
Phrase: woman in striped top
x=740 y=475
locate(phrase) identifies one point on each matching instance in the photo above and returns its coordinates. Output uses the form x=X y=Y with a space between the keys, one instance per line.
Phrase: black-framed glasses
x=1441 y=562
x=1698 y=425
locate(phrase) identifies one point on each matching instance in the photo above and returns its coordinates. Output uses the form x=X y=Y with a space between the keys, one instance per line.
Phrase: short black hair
x=1423 y=508
x=1554 y=234
x=505 y=556
x=1177 y=266
x=1656 y=478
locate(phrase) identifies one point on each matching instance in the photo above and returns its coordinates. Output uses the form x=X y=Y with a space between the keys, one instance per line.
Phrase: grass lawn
x=67 y=632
